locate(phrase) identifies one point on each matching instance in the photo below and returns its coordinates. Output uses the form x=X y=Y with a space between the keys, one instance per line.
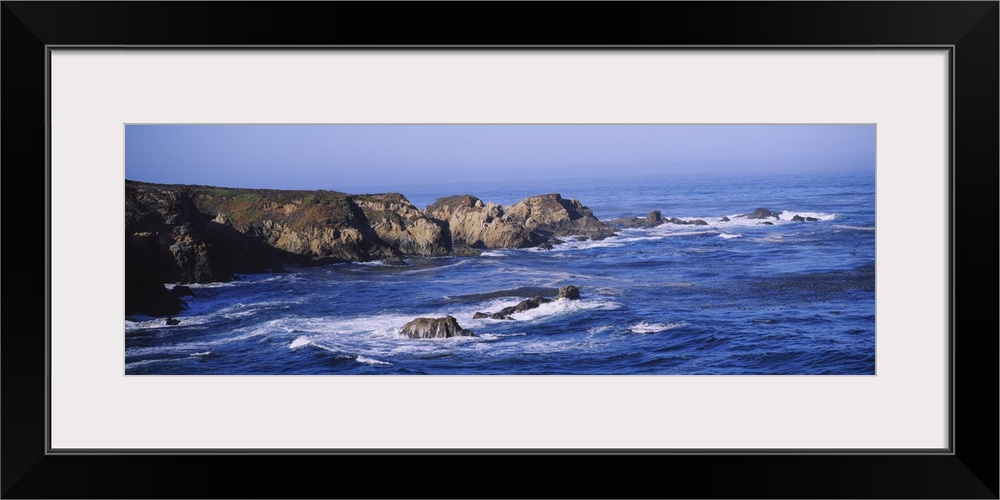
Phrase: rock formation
x=653 y=218
x=199 y=234
x=431 y=328
x=552 y=215
x=762 y=213
x=534 y=221
x=473 y=224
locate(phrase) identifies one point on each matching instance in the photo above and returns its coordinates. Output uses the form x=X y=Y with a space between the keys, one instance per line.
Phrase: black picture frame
x=969 y=28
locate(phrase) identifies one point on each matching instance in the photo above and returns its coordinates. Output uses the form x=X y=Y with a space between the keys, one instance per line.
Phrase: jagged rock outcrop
x=168 y=239
x=431 y=328
x=534 y=221
x=402 y=226
x=553 y=215
x=799 y=218
x=568 y=292
x=653 y=218
x=471 y=223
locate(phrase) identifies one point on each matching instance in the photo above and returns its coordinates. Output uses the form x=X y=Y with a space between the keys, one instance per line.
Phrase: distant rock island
x=201 y=234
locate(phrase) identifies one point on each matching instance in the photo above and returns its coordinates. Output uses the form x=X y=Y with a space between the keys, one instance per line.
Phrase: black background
x=972 y=472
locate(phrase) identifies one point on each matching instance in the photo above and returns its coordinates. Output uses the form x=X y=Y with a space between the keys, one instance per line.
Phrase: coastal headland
x=201 y=234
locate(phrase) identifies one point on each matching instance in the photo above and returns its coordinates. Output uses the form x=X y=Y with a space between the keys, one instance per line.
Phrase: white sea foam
x=643 y=327
x=788 y=214
x=243 y=279
x=206 y=353
x=560 y=307
x=370 y=263
x=134 y=364
x=493 y=253
x=370 y=361
x=729 y=236
x=300 y=342
x=599 y=329
x=498 y=336
x=859 y=228
x=436 y=268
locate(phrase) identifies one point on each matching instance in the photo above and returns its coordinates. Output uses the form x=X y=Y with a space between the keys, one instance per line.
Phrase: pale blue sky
x=345 y=157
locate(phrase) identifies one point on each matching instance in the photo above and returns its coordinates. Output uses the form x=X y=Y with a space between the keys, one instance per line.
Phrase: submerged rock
x=431 y=328
x=766 y=223
x=724 y=219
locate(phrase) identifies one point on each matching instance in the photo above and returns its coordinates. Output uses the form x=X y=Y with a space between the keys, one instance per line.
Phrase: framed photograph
x=731 y=254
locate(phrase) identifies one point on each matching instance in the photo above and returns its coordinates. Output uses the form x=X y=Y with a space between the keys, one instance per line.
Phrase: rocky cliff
x=197 y=234
x=531 y=222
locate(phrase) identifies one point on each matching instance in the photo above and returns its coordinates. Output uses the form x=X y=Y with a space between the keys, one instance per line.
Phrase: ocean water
x=728 y=298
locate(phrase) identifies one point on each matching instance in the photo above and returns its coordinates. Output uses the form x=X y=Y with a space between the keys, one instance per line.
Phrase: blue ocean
x=736 y=297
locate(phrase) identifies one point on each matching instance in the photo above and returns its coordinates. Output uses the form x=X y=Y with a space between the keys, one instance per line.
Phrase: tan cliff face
x=531 y=222
x=402 y=226
x=478 y=225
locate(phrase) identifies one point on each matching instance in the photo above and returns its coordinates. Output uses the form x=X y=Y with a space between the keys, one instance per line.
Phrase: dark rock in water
x=653 y=218
x=547 y=246
x=724 y=219
x=480 y=315
x=762 y=213
x=181 y=291
x=798 y=218
x=692 y=222
x=568 y=292
x=431 y=328
x=766 y=223
x=522 y=306
x=172 y=321
x=811 y=219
